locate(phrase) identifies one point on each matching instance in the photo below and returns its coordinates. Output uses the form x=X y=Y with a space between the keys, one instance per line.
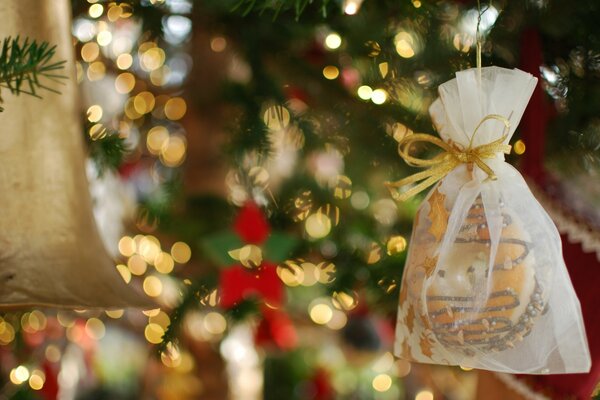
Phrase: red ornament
x=276 y=329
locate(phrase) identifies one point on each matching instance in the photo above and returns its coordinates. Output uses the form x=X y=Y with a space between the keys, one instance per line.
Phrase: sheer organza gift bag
x=485 y=285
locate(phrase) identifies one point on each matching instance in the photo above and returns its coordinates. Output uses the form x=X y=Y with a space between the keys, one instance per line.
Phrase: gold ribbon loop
x=451 y=157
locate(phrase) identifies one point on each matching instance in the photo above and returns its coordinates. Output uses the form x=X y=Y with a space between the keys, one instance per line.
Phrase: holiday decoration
x=256 y=274
x=485 y=285
x=276 y=331
x=51 y=253
x=237 y=151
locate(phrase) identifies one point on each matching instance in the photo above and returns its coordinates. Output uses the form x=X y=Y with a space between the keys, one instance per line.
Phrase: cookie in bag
x=456 y=316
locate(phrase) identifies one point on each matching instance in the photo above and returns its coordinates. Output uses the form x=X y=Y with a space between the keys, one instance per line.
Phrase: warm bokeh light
x=373 y=253
x=37 y=379
x=175 y=108
x=124 y=272
x=152 y=59
x=124 y=83
x=382 y=382
x=519 y=147
x=351 y=7
x=104 y=38
x=218 y=44
x=276 y=117
x=403 y=368
x=156 y=139
x=173 y=150
x=290 y=273
x=95 y=328
x=164 y=263
x=396 y=245
x=97 y=131
x=345 y=301
x=405 y=44
x=338 y=320
x=154 y=333
x=321 y=313
x=379 y=96
x=96 y=71
x=333 y=41
x=318 y=225
x=96 y=10
x=124 y=61
x=90 y=51
x=343 y=187
x=127 y=246
x=215 y=323
x=144 y=102
x=52 y=353
x=137 y=265
x=331 y=72
x=181 y=252
x=153 y=286
x=19 y=375
x=310 y=274
x=365 y=92
x=115 y=314
x=424 y=395
x=326 y=272
x=94 y=113
x=384 y=69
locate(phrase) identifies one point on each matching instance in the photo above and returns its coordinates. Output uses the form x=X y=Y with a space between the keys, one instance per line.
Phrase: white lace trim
x=519 y=387
x=576 y=231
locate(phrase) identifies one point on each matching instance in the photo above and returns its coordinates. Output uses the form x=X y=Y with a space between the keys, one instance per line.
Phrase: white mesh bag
x=485 y=285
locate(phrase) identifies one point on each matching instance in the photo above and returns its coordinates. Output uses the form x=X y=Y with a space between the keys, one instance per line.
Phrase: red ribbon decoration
x=238 y=283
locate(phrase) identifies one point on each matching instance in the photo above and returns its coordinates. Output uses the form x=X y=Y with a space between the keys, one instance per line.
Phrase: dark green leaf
x=217 y=247
x=279 y=247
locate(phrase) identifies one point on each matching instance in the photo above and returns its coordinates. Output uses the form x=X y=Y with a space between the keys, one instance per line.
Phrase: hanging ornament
x=51 y=253
x=276 y=330
x=485 y=285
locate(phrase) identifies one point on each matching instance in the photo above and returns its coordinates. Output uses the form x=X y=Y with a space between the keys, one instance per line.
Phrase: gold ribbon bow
x=441 y=165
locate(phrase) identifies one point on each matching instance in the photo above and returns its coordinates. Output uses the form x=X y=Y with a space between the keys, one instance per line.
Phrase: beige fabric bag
x=50 y=251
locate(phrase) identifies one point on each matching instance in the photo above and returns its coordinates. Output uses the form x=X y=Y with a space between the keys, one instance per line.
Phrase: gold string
x=478 y=39
x=451 y=157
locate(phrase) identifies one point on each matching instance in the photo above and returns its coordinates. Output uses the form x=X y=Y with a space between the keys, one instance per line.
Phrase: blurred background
x=237 y=154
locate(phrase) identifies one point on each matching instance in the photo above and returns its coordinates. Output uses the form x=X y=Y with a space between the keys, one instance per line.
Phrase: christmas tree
x=237 y=158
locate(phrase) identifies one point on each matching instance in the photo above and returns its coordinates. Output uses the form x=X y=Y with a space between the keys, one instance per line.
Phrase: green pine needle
x=107 y=151
x=192 y=298
x=277 y=6
x=24 y=63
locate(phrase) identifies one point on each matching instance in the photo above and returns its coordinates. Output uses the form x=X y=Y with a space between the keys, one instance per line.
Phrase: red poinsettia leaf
x=251 y=224
x=238 y=283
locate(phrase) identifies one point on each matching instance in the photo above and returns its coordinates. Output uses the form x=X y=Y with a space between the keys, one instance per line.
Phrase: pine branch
x=193 y=297
x=107 y=150
x=22 y=64
x=279 y=6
